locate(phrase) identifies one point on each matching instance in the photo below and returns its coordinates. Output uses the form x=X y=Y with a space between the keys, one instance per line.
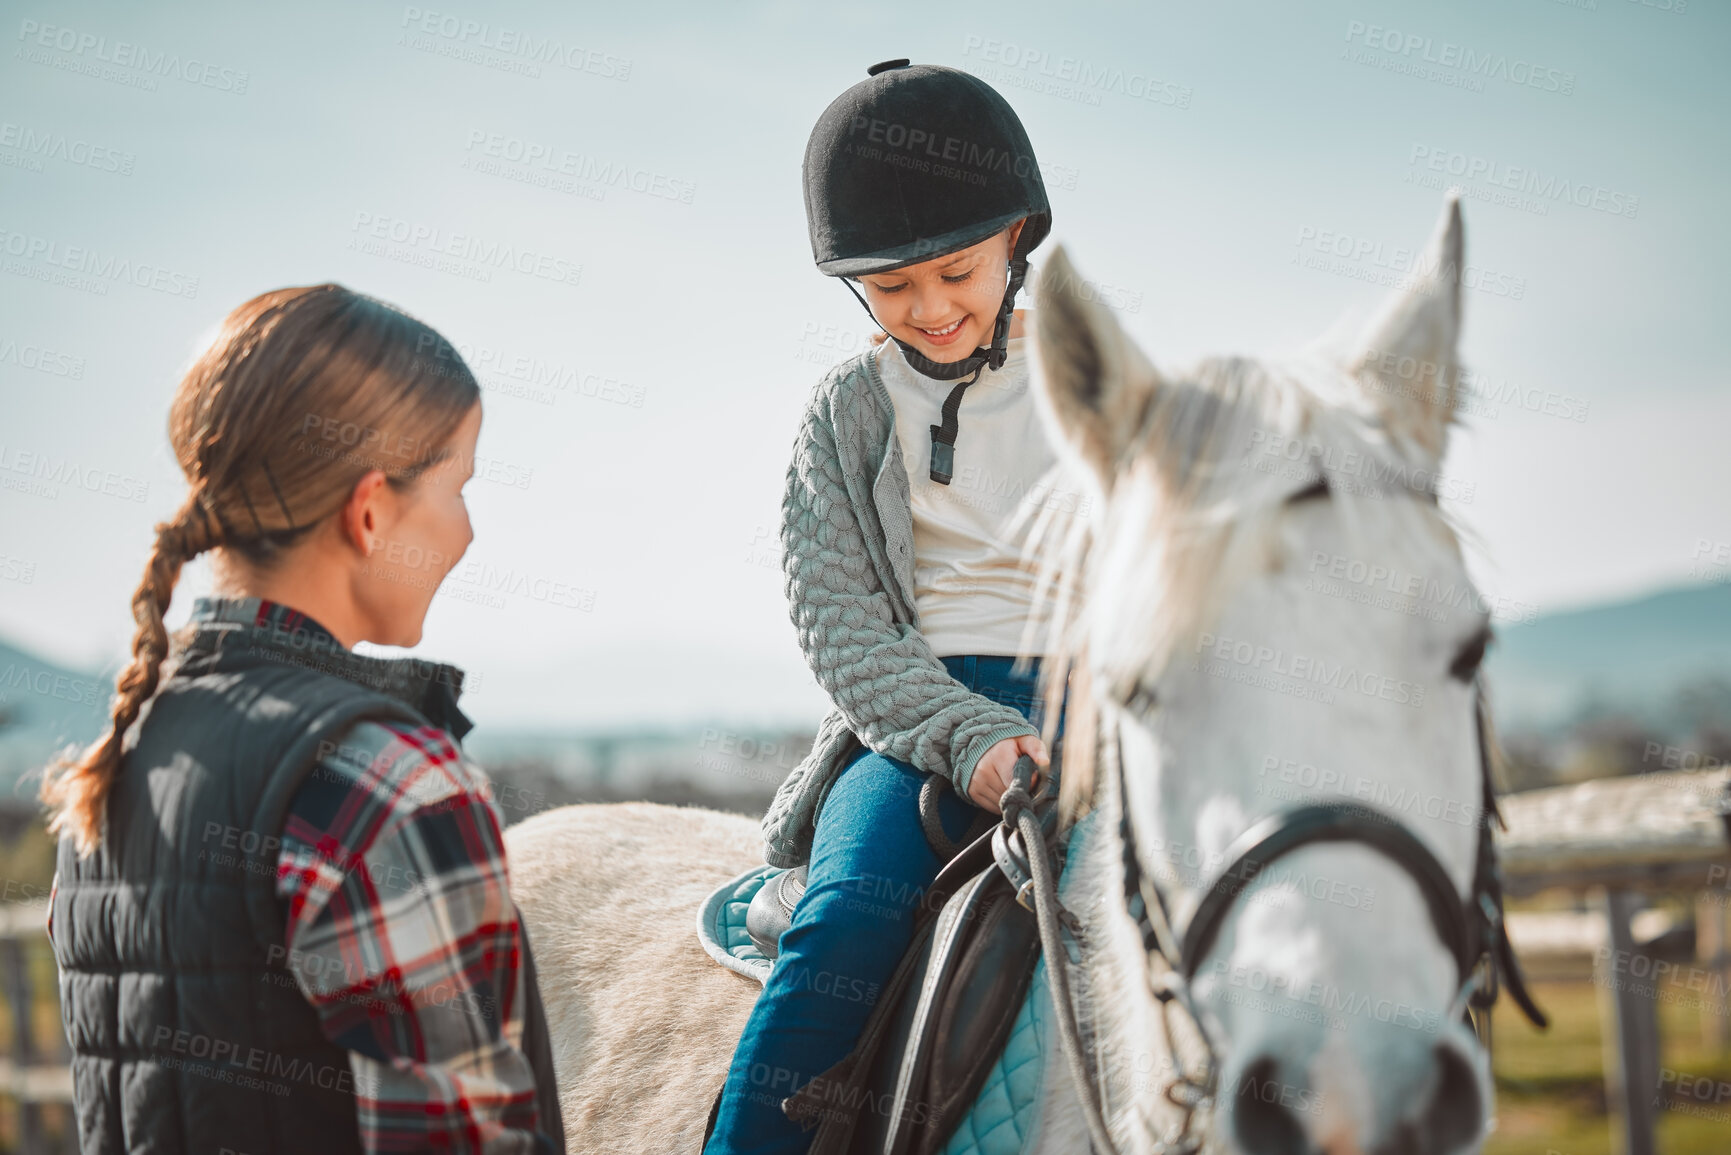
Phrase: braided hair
x=303 y=392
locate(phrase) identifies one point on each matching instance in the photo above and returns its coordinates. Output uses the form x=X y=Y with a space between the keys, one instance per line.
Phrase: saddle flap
x=985 y=947
x=910 y=1111
x=977 y=1010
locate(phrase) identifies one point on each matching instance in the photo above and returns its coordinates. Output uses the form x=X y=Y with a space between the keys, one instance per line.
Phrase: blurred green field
x=1551 y=1089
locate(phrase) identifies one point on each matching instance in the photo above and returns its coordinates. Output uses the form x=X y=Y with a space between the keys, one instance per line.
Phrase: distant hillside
x=1644 y=658
x=42 y=708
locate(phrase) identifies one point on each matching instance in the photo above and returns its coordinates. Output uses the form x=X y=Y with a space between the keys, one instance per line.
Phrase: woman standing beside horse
x=281 y=911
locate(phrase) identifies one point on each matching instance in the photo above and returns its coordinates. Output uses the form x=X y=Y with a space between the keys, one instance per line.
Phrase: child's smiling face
x=945 y=307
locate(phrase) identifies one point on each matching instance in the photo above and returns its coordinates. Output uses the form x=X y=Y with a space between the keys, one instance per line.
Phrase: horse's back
x=643 y=1023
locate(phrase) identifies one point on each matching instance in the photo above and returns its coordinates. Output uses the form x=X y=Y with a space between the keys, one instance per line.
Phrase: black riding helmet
x=912 y=163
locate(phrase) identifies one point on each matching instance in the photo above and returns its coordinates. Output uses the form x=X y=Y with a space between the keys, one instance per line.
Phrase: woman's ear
x=364 y=515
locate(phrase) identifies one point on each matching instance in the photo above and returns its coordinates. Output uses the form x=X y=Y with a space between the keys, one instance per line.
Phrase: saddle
x=942 y=1020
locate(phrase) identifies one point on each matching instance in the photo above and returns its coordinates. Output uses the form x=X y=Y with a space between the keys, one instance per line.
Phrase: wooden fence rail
x=29 y=1073
x=1624 y=841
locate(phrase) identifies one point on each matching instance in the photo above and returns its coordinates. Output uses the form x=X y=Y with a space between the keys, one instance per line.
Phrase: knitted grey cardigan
x=847 y=537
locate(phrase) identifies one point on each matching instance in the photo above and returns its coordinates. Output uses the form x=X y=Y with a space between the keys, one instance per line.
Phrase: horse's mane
x=1189 y=513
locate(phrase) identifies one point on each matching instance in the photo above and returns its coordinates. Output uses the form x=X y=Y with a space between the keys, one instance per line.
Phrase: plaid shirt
x=401 y=929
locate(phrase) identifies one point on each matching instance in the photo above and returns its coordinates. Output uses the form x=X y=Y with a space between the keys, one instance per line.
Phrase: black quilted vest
x=188 y=1032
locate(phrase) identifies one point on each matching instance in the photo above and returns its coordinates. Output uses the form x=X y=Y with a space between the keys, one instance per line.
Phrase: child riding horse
x=915 y=465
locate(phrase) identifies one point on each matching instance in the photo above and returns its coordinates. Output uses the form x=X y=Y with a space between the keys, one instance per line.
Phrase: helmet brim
x=924 y=249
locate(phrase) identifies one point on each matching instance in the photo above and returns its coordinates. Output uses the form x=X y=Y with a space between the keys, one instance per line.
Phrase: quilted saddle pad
x=1005 y=1112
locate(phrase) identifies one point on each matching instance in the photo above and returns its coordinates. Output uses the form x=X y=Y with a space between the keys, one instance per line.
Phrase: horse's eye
x=1472 y=652
x=1312 y=492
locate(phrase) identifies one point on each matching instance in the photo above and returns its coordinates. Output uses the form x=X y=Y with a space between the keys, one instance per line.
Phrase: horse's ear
x=1094 y=381
x=1406 y=358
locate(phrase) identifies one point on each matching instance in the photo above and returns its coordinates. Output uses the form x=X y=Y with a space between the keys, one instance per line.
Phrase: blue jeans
x=870 y=865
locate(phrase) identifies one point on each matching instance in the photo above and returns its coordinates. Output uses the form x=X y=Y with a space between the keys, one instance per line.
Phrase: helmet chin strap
x=971 y=366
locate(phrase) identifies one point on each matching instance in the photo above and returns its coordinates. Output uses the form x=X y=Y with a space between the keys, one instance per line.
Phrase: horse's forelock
x=1186 y=517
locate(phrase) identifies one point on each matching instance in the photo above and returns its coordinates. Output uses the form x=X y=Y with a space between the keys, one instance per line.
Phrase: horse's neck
x=1128 y=1044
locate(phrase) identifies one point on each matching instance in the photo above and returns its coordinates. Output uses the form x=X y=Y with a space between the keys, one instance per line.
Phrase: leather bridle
x=1470 y=928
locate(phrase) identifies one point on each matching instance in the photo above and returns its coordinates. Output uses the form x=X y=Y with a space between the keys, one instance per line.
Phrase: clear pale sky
x=1201 y=158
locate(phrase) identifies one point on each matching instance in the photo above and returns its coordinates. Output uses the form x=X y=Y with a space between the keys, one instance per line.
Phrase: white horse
x=1238 y=653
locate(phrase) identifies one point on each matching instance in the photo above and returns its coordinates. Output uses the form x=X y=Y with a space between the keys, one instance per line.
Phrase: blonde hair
x=303 y=392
